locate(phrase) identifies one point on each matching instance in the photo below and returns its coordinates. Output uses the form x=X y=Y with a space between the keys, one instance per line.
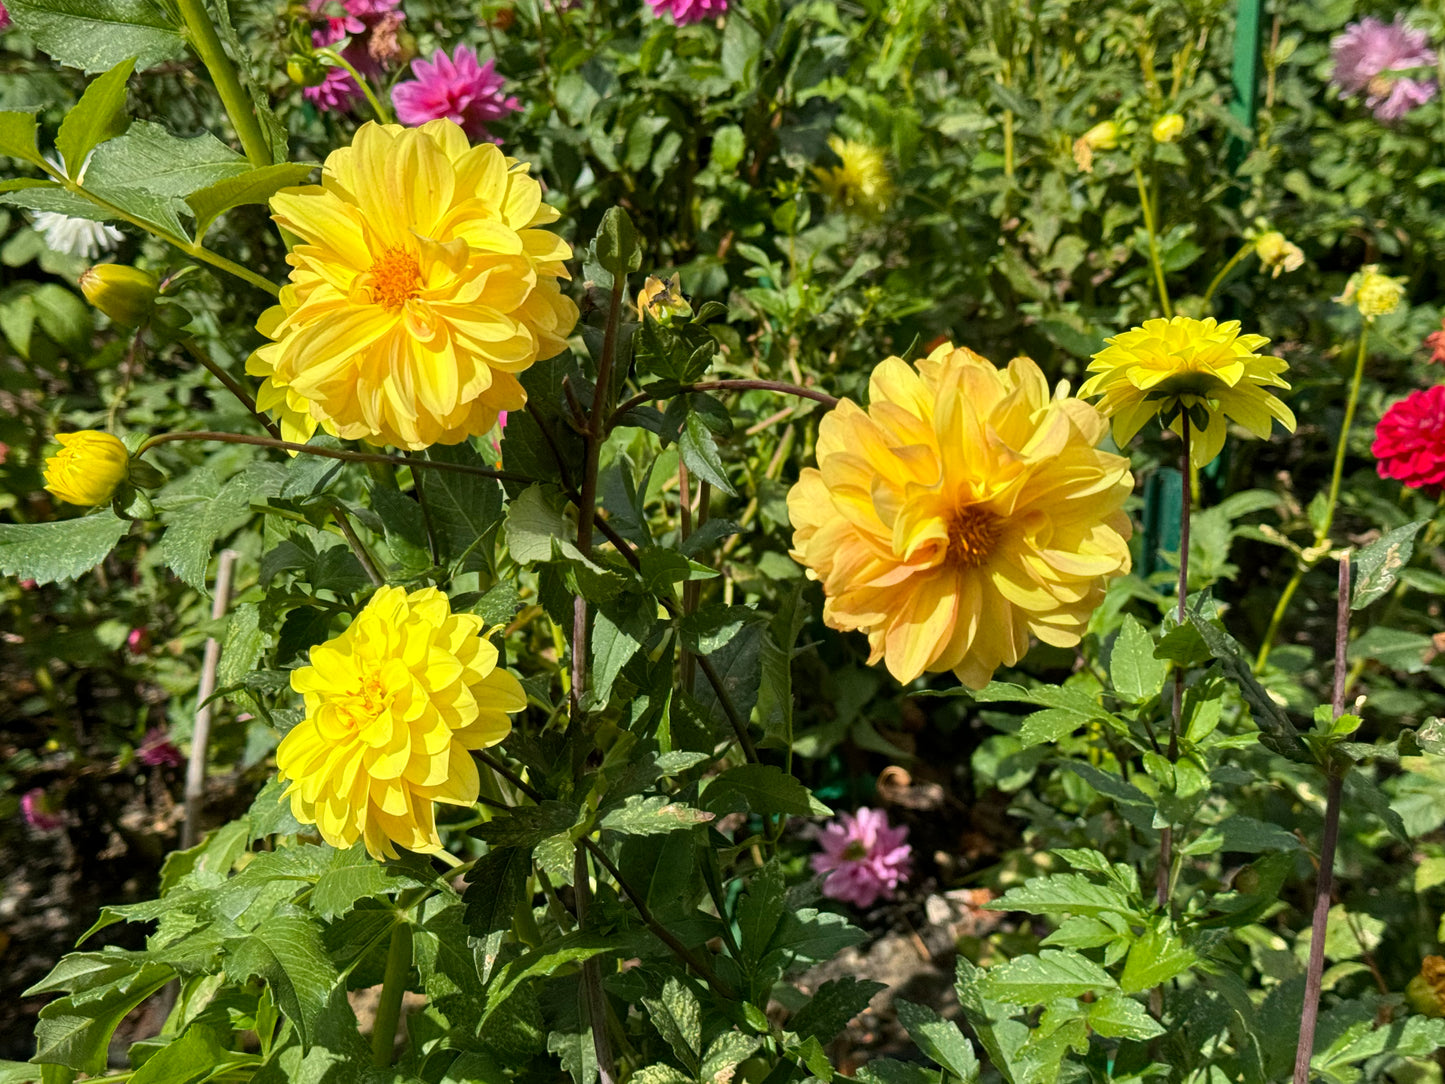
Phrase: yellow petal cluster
x=965 y=511
x=422 y=284
x=393 y=705
x=1373 y=293
x=1168 y=128
x=1277 y=254
x=88 y=467
x=1103 y=136
x=1180 y=366
x=860 y=183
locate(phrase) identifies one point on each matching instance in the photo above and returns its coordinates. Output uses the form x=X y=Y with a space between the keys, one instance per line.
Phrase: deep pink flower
x=138 y=642
x=689 y=11
x=4 y=17
x=157 y=751
x=457 y=88
x=338 y=90
x=1410 y=440
x=863 y=859
x=39 y=812
x=1369 y=57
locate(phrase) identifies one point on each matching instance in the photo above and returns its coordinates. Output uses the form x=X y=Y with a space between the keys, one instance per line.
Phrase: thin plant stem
x=231 y=385
x=1166 y=836
x=333 y=56
x=363 y=555
x=782 y=387
x=393 y=986
x=1218 y=279
x=1150 y=227
x=592 y=997
x=433 y=544
x=201 y=30
x=1306 y=561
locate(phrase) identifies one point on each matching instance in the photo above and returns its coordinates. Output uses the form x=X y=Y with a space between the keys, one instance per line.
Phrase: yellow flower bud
x=1167 y=128
x=1103 y=136
x=87 y=468
x=662 y=300
x=1276 y=253
x=1426 y=992
x=125 y=294
x=1372 y=293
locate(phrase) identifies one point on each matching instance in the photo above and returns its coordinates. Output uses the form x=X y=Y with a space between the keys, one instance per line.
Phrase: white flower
x=76 y=236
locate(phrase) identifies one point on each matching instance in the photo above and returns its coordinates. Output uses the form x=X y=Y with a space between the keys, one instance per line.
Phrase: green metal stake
x=1248 y=29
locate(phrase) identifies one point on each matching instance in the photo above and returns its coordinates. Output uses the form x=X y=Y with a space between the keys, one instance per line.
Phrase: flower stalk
x=388 y=1009
x=201 y=30
x=1151 y=227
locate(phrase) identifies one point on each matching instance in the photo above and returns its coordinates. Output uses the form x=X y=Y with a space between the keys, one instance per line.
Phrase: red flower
x=1436 y=342
x=1410 y=440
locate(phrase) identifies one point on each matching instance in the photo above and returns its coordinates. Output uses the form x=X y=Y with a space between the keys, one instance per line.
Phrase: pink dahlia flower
x=39 y=811
x=863 y=859
x=1369 y=57
x=338 y=91
x=454 y=87
x=689 y=11
x=1410 y=440
x=4 y=17
x=157 y=751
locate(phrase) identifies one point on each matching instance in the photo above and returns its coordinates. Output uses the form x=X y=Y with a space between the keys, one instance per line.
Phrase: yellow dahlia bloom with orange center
x=422 y=284
x=393 y=706
x=964 y=512
x=1199 y=368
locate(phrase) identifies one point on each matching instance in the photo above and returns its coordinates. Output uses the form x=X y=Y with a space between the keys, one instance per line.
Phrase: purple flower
x=862 y=859
x=689 y=11
x=454 y=87
x=157 y=751
x=338 y=90
x=39 y=812
x=1369 y=57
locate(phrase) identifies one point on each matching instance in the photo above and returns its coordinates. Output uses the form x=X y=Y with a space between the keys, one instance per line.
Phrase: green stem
x=383 y=114
x=388 y=1009
x=231 y=384
x=201 y=30
x=363 y=555
x=1215 y=282
x=1150 y=227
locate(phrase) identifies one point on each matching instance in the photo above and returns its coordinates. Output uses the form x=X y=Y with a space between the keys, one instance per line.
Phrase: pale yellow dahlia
x=88 y=467
x=1182 y=366
x=393 y=705
x=420 y=288
x=1373 y=293
x=965 y=511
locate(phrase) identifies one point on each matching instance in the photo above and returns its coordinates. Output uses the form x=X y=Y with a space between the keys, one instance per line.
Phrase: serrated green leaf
x=810 y=934
x=892 y=1071
x=95 y=35
x=242 y=647
x=534 y=520
x=97 y=117
x=544 y=961
x=1118 y=1016
x=729 y=1049
x=149 y=158
x=1064 y=894
x=353 y=876
x=496 y=886
x=195 y=527
x=677 y=1016
x=761 y=788
x=17 y=136
x=652 y=816
x=940 y=1039
x=1157 y=957
x=1050 y=725
x=287 y=952
x=60 y=550
x=699 y=452
x=78 y=1034
x=1379 y=564
x=831 y=1007
x=1053 y=973
x=466 y=509
x=200 y=1050
x=528 y=825
x=253 y=186
x=617 y=247
x=1137 y=675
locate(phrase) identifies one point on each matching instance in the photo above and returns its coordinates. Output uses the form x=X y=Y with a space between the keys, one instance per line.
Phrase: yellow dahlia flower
x=963 y=512
x=88 y=467
x=393 y=705
x=1373 y=293
x=420 y=287
x=1204 y=368
x=1276 y=254
x=859 y=183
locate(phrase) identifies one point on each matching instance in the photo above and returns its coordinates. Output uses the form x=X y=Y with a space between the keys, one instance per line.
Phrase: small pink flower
x=338 y=91
x=1369 y=56
x=4 y=448
x=497 y=440
x=28 y=585
x=1436 y=342
x=157 y=751
x=39 y=811
x=689 y=11
x=4 y=17
x=863 y=859
x=457 y=88
x=138 y=642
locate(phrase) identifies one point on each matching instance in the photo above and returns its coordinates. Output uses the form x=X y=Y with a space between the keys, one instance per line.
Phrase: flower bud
x=1426 y=992
x=1103 y=136
x=1372 y=293
x=305 y=71
x=1167 y=128
x=662 y=300
x=126 y=294
x=87 y=468
x=1276 y=253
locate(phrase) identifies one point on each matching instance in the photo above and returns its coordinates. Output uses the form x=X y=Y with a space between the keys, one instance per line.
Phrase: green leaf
x=809 y=934
x=466 y=509
x=729 y=1049
x=253 y=186
x=151 y=159
x=287 y=952
x=95 y=35
x=1001 y=1036
x=544 y=961
x=940 y=1039
x=1118 y=1016
x=759 y=911
x=496 y=886
x=1378 y=564
x=17 y=137
x=97 y=117
x=761 y=788
x=1064 y=894
x=892 y=1071
x=1050 y=725
x=195 y=527
x=534 y=519
x=1033 y=980
x=652 y=816
x=618 y=248
x=76 y=1032
x=613 y=647
x=60 y=550
x=699 y=452
x=353 y=876
x=199 y=1052
x=1154 y=959
x=528 y=825
x=242 y=647
x=677 y=1016
x=835 y=1003
x=1137 y=675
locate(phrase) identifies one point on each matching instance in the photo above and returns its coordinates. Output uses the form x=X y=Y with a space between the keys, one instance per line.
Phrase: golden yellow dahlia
x=393 y=705
x=421 y=286
x=859 y=183
x=1180 y=366
x=88 y=467
x=963 y=512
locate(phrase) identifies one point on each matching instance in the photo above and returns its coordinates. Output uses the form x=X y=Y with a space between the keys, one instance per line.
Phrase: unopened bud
x=305 y=71
x=126 y=294
x=1167 y=128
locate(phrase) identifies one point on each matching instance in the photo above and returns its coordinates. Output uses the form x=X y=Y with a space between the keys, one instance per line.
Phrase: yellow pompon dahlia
x=393 y=705
x=421 y=286
x=860 y=183
x=966 y=510
x=1180 y=366
x=88 y=467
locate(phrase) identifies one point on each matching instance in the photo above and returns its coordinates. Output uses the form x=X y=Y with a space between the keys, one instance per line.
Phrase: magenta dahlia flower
x=1370 y=57
x=40 y=810
x=338 y=91
x=456 y=88
x=1410 y=440
x=688 y=11
x=863 y=859
x=4 y=17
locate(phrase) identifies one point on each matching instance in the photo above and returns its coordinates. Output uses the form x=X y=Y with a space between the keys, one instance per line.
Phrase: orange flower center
x=972 y=531
x=395 y=278
x=365 y=703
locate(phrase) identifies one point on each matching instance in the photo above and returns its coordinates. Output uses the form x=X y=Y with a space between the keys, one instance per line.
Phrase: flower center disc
x=971 y=534
x=395 y=278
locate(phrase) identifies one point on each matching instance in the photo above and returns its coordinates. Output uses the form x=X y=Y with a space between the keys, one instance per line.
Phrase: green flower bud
x=305 y=71
x=126 y=294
